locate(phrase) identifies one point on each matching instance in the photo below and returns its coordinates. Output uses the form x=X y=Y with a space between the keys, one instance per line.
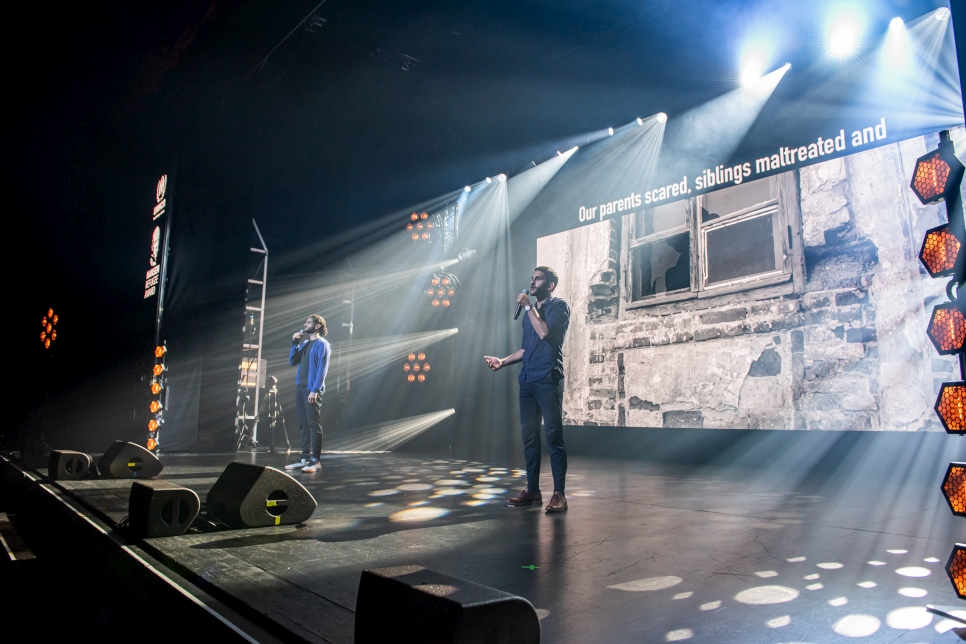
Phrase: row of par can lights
x=156 y=406
x=936 y=178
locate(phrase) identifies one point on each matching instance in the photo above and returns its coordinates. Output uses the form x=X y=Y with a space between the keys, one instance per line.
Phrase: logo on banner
x=159 y=193
x=153 y=274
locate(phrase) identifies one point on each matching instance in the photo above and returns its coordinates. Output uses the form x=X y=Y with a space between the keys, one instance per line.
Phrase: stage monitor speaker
x=161 y=509
x=413 y=604
x=128 y=461
x=252 y=496
x=34 y=453
x=65 y=465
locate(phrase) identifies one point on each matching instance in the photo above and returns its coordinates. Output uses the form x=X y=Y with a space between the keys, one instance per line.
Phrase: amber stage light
x=159 y=351
x=947 y=329
x=156 y=388
x=954 y=488
x=421 y=356
x=951 y=407
x=414 y=216
x=48 y=333
x=956 y=569
x=939 y=251
x=158 y=369
x=416 y=365
x=936 y=174
x=155 y=406
x=153 y=425
x=411 y=378
x=152 y=444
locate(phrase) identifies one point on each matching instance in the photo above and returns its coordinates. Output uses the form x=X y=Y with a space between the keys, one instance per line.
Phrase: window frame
x=788 y=247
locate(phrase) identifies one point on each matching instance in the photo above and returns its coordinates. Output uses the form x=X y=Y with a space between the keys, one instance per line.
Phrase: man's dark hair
x=549 y=273
x=320 y=320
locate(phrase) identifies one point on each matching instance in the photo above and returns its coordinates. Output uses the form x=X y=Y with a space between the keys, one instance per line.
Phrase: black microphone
x=516 y=313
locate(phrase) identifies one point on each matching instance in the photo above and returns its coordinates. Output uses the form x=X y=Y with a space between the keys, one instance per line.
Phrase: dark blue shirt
x=317 y=357
x=545 y=357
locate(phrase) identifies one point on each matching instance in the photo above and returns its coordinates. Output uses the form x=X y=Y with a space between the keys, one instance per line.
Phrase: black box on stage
x=128 y=461
x=252 y=496
x=34 y=453
x=413 y=604
x=161 y=509
x=65 y=465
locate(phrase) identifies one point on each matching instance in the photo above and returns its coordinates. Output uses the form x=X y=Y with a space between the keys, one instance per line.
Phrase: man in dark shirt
x=541 y=385
x=311 y=356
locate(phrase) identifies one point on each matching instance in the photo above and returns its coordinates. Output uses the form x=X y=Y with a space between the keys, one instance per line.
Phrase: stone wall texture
x=845 y=350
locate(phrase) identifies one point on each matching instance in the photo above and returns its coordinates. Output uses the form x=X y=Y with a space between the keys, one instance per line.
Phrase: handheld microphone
x=516 y=313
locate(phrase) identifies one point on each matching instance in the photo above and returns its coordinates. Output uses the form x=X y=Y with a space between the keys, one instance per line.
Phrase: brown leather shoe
x=526 y=498
x=558 y=502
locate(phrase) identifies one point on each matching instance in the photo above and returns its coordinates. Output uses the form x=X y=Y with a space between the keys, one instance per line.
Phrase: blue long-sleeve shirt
x=544 y=357
x=318 y=364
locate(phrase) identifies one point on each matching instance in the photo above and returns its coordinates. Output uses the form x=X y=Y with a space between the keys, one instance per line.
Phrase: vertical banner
x=158 y=239
x=154 y=282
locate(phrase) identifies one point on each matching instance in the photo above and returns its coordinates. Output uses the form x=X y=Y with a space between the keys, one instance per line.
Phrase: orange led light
x=956 y=569
x=951 y=407
x=425 y=236
x=152 y=444
x=43 y=335
x=158 y=369
x=415 y=236
x=430 y=292
x=446 y=304
x=153 y=425
x=423 y=216
x=409 y=226
x=50 y=313
x=435 y=302
x=55 y=318
x=47 y=343
x=406 y=367
x=416 y=367
x=159 y=351
x=411 y=378
x=426 y=367
x=954 y=488
x=939 y=251
x=422 y=378
x=412 y=356
x=155 y=406
x=156 y=388
x=441 y=292
x=421 y=356
x=935 y=174
x=43 y=322
x=50 y=327
x=947 y=329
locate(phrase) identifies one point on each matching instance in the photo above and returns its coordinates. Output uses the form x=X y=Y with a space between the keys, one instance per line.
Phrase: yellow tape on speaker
x=132 y=464
x=278 y=520
x=270 y=504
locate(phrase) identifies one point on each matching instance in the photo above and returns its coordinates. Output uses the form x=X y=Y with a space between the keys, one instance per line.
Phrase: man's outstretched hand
x=494 y=363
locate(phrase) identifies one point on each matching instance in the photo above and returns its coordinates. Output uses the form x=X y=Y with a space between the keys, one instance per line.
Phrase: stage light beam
x=752 y=70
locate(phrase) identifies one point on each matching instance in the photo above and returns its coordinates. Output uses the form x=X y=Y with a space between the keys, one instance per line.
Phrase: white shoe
x=312 y=467
x=297 y=466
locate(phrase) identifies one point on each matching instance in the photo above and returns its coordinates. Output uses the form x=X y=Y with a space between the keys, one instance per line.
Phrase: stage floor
x=646 y=552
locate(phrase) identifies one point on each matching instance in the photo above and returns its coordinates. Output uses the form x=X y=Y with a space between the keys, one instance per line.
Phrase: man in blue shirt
x=311 y=356
x=541 y=385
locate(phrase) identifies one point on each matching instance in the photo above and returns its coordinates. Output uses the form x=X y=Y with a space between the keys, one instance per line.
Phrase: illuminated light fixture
x=661 y=117
x=939 y=251
x=153 y=425
x=443 y=288
x=752 y=70
x=610 y=131
x=942 y=13
x=416 y=365
x=156 y=388
x=158 y=369
x=937 y=174
x=501 y=177
x=640 y=121
x=152 y=444
x=896 y=23
x=489 y=180
x=956 y=569
x=159 y=351
x=954 y=488
x=467 y=189
x=947 y=329
x=422 y=226
x=951 y=407
x=155 y=406
x=843 y=37
x=47 y=331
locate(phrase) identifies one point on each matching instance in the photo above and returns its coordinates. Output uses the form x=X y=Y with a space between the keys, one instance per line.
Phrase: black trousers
x=543 y=399
x=310 y=424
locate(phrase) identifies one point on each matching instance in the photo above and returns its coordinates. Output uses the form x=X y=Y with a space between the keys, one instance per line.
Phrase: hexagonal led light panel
x=956 y=569
x=947 y=329
x=48 y=332
x=417 y=367
x=936 y=174
x=442 y=290
x=954 y=488
x=939 y=251
x=951 y=407
x=422 y=227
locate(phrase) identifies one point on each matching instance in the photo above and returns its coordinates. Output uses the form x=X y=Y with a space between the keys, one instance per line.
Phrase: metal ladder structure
x=251 y=372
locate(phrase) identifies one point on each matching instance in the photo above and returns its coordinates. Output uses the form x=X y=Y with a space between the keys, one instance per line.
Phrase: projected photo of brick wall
x=791 y=302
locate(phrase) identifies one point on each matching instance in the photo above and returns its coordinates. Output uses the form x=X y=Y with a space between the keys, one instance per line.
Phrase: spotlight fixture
x=951 y=407
x=661 y=117
x=640 y=121
x=939 y=251
x=752 y=70
x=956 y=569
x=610 y=131
x=156 y=406
x=843 y=37
x=416 y=367
x=954 y=488
x=896 y=23
x=422 y=227
x=48 y=331
x=937 y=174
x=442 y=289
x=489 y=180
x=467 y=189
x=947 y=329
x=942 y=13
